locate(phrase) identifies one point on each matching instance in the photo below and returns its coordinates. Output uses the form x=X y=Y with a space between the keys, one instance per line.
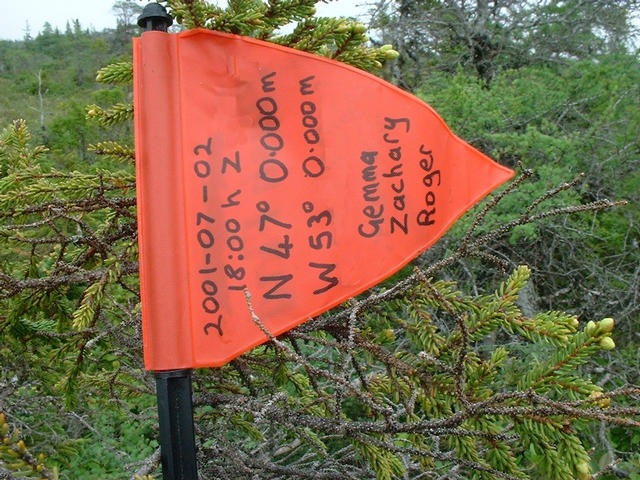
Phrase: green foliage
x=15 y=455
x=47 y=86
x=484 y=38
x=562 y=122
x=120 y=73
x=115 y=150
x=418 y=378
x=385 y=464
x=337 y=38
x=69 y=131
x=116 y=114
x=64 y=224
x=436 y=380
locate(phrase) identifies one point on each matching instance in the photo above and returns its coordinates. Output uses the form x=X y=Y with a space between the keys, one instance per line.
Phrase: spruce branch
x=10 y=286
x=148 y=466
x=113 y=150
x=120 y=73
x=15 y=455
x=115 y=114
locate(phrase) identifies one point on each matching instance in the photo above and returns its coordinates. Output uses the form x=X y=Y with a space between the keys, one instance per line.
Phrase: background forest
x=493 y=355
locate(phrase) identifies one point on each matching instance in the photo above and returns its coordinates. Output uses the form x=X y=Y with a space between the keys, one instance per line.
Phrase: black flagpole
x=173 y=387
x=175 y=413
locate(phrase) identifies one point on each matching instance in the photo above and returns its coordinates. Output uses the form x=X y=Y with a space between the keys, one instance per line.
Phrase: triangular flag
x=299 y=179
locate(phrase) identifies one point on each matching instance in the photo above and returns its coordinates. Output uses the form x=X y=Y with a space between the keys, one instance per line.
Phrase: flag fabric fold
x=267 y=170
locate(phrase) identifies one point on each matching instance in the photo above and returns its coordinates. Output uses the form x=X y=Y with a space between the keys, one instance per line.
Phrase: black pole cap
x=154 y=17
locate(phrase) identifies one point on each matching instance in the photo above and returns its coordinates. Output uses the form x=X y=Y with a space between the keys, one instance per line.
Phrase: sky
x=97 y=14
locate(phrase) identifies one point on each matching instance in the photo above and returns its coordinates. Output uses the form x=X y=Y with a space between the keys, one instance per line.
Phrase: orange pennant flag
x=299 y=179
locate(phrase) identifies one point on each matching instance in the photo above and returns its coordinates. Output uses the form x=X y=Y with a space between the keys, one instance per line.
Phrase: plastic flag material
x=296 y=178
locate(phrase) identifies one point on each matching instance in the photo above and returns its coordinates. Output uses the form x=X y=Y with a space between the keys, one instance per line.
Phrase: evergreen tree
x=486 y=36
x=415 y=379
